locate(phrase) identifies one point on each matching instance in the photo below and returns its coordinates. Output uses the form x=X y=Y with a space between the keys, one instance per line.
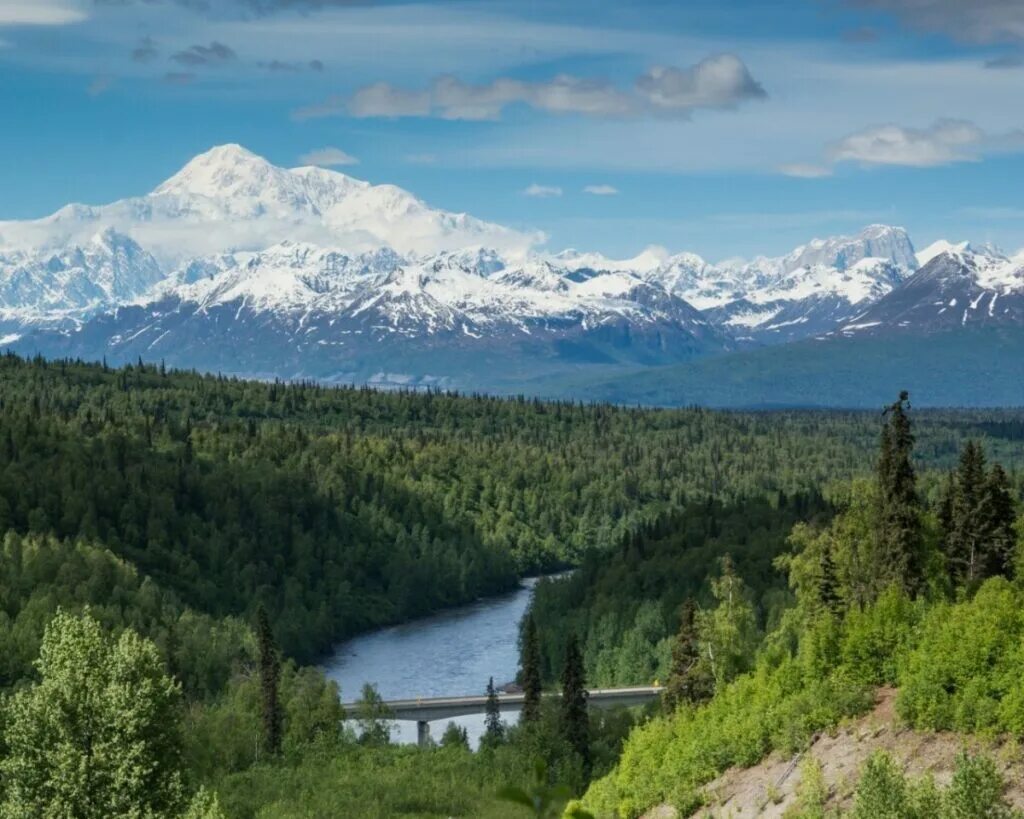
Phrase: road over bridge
x=423 y=711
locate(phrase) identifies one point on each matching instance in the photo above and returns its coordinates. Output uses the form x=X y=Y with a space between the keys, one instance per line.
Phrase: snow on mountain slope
x=230 y=199
x=75 y=281
x=958 y=287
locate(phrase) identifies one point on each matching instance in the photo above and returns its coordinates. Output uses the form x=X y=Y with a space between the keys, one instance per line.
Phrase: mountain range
x=237 y=266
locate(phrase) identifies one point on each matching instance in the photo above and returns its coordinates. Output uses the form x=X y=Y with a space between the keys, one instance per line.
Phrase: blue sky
x=725 y=127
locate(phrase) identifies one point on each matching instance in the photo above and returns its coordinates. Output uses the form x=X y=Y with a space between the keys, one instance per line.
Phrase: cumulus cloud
x=542 y=191
x=979 y=21
x=601 y=190
x=213 y=54
x=328 y=158
x=40 y=12
x=721 y=81
x=944 y=142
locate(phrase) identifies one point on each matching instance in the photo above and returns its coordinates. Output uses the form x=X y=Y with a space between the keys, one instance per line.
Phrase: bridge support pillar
x=423 y=733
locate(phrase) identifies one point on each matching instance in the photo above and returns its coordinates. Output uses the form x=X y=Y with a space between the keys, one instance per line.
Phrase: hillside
x=974 y=367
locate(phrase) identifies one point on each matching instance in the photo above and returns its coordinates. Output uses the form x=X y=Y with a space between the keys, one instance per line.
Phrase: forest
x=207 y=539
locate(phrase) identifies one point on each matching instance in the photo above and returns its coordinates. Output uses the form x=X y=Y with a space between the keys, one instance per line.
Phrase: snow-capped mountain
x=958 y=286
x=230 y=199
x=234 y=264
x=74 y=282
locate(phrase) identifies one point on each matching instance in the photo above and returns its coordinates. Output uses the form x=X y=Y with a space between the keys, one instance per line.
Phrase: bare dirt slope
x=768 y=789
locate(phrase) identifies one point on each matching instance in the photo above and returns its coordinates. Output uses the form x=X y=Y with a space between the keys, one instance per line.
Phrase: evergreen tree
x=828 y=582
x=531 y=673
x=900 y=534
x=494 y=728
x=270 y=677
x=575 y=718
x=687 y=681
x=966 y=539
x=998 y=518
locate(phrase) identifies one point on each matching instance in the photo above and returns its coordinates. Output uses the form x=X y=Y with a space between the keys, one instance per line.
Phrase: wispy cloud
x=980 y=21
x=1006 y=61
x=802 y=170
x=945 y=142
x=721 y=81
x=214 y=54
x=40 y=13
x=286 y=67
x=601 y=190
x=328 y=158
x=99 y=85
x=146 y=50
x=179 y=77
x=542 y=191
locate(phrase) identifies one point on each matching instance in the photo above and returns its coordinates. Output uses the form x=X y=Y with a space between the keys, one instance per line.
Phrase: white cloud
x=328 y=158
x=802 y=170
x=721 y=81
x=601 y=190
x=40 y=12
x=542 y=191
x=943 y=143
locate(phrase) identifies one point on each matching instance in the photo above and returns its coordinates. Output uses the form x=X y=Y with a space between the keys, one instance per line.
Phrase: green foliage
x=530 y=671
x=900 y=535
x=976 y=792
x=882 y=790
x=455 y=736
x=967 y=670
x=270 y=678
x=727 y=634
x=575 y=717
x=626 y=605
x=494 y=727
x=98 y=735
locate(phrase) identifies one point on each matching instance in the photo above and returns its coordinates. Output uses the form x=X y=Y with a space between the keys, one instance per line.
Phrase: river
x=451 y=653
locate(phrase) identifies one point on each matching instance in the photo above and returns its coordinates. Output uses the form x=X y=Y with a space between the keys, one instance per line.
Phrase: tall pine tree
x=900 y=532
x=530 y=675
x=999 y=517
x=494 y=728
x=575 y=718
x=688 y=680
x=966 y=537
x=270 y=676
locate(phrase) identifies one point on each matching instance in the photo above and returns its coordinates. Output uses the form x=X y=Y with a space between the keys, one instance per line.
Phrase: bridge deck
x=430 y=709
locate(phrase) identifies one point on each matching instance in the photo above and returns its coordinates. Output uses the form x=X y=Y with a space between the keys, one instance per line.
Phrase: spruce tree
x=530 y=678
x=494 y=728
x=900 y=535
x=687 y=680
x=998 y=518
x=966 y=541
x=270 y=676
x=575 y=718
x=828 y=583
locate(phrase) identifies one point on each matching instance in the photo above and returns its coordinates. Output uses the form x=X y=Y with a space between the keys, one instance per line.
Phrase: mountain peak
x=222 y=170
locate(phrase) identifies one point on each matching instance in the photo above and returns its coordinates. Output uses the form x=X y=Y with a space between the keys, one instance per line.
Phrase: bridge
x=423 y=711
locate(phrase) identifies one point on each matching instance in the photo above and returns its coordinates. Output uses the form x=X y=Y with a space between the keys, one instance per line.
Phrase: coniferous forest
x=178 y=550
